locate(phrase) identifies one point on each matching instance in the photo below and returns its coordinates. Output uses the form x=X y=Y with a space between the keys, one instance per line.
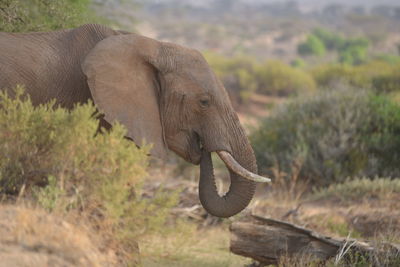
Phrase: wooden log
x=267 y=240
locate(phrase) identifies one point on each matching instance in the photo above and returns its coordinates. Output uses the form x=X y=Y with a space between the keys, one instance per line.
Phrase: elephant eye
x=205 y=102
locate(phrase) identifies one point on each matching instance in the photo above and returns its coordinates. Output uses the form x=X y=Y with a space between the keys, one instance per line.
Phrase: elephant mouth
x=227 y=158
x=194 y=154
x=186 y=144
x=196 y=151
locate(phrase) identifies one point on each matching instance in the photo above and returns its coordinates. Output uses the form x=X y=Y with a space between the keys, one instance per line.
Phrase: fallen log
x=267 y=241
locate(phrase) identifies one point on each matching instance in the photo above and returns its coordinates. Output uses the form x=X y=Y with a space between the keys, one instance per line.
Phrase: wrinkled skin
x=163 y=93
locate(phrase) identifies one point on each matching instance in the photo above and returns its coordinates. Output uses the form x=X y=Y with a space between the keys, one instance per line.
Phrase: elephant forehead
x=202 y=76
x=193 y=84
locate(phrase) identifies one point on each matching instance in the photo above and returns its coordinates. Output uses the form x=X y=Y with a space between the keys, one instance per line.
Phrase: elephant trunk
x=241 y=189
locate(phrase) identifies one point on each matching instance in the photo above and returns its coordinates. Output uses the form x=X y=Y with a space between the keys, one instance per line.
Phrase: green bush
x=382 y=136
x=351 y=51
x=57 y=158
x=332 y=41
x=312 y=46
x=276 y=77
x=332 y=135
x=353 y=55
x=43 y=15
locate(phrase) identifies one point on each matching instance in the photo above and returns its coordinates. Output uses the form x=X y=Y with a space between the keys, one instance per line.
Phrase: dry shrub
x=57 y=159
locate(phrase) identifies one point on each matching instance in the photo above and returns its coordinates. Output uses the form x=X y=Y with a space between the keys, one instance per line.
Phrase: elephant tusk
x=234 y=166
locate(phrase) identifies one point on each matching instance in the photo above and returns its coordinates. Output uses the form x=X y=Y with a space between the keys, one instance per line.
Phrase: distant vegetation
x=350 y=50
x=243 y=76
x=312 y=46
x=380 y=76
x=276 y=29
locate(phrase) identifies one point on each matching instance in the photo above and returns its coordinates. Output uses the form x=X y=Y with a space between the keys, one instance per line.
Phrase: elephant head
x=167 y=95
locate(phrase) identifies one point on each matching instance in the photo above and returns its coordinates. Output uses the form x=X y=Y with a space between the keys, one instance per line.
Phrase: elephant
x=163 y=93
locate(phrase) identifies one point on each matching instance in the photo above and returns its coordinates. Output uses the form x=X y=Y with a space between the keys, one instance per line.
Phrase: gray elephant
x=163 y=93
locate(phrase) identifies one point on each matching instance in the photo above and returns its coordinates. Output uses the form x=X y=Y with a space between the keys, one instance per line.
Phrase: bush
x=351 y=51
x=353 y=55
x=331 y=40
x=57 y=158
x=275 y=77
x=382 y=136
x=387 y=83
x=377 y=75
x=312 y=46
x=332 y=75
x=43 y=15
x=334 y=135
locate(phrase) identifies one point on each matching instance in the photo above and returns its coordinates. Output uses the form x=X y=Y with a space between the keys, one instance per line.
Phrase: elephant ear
x=124 y=86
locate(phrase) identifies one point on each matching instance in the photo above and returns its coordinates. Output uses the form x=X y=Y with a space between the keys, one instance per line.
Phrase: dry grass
x=184 y=242
x=32 y=237
x=284 y=197
x=188 y=246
